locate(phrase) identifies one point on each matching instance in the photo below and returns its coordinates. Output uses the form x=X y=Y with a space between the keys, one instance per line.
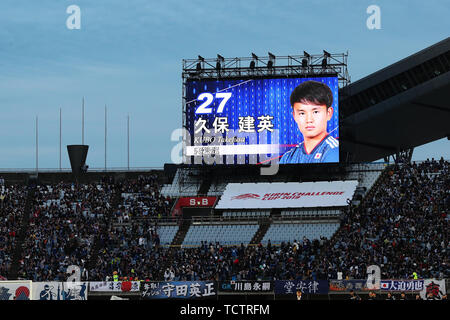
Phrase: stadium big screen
x=290 y=120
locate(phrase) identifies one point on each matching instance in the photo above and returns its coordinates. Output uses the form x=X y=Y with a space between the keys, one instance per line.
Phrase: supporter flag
x=433 y=289
x=126 y=286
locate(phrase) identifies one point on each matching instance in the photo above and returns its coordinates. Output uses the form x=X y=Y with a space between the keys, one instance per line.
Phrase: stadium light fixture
x=271 y=61
x=304 y=63
x=220 y=59
x=199 y=64
x=305 y=60
x=253 y=62
x=324 y=60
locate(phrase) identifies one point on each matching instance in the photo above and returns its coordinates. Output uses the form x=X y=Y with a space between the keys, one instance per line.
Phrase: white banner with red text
x=287 y=195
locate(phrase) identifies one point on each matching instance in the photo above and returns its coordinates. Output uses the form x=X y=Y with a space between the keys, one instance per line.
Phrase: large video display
x=290 y=120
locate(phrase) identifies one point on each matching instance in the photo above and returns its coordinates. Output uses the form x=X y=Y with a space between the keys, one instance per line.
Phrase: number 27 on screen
x=209 y=98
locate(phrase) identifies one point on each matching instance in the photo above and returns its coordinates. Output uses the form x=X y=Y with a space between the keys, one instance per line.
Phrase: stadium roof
x=399 y=107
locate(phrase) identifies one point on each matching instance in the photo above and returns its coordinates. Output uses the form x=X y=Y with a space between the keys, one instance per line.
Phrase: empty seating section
x=183 y=184
x=283 y=232
x=366 y=173
x=217 y=189
x=310 y=212
x=166 y=234
x=224 y=234
x=246 y=213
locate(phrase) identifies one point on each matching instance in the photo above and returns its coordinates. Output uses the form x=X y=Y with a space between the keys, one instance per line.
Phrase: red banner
x=193 y=202
x=197 y=201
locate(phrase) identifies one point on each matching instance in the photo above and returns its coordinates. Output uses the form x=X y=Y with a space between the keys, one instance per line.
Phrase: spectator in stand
x=12 y=204
x=353 y=296
x=390 y=296
x=65 y=219
x=403 y=296
x=142 y=198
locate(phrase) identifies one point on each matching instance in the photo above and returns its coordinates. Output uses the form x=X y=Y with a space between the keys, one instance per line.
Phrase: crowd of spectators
x=142 y=199
x=64 y=220
x=12 y=204
x=131 y=244
x=401 y=226
x=132 y=250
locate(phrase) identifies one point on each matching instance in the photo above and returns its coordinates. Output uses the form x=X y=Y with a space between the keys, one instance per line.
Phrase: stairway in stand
x=176 y=243
x=264 y=225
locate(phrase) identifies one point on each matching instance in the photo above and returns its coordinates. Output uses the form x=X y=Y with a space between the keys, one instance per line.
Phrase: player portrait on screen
x=311 y=103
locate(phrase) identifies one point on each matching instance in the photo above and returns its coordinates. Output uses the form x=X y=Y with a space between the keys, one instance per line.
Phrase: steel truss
x=305 y=65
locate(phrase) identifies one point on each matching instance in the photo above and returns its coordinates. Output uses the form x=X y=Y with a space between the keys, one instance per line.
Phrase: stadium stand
x=12 y=204
x=289 y=232
x=401 y=223
x=141 y=198
x=131 y=250
x=246 y=213
x=310 y=212
x=232 y=234
x=178 y=188
x=64 y=221
x=403 y=233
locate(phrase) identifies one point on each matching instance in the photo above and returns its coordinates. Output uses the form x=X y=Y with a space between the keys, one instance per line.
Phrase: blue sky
x=128 y=54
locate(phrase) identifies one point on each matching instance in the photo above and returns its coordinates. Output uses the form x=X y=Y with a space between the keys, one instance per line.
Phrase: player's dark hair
x=312 y=92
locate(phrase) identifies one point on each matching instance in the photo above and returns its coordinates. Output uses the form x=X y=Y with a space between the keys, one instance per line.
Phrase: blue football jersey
x=326 y=151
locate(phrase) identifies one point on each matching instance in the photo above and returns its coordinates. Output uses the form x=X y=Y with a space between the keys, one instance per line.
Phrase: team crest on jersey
x=317 y=156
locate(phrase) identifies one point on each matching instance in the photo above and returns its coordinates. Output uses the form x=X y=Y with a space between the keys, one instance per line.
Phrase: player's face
x=311 y=119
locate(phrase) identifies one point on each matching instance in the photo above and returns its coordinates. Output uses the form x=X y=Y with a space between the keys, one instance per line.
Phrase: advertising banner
x=60 y=290
x=286 y=195
x=245 y=286
x=305 y=286
x=197 y=201
x=251 y=121
x=114 y=286
x=16 y=290
x=401 y=285
x=348 y=285
x=178 y=289
x=433 y=289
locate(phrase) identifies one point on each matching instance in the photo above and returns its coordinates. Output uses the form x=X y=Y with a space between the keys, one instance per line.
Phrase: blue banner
x=401 y=285
x=178 y=290
x=305 y=286
x=249 y=286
